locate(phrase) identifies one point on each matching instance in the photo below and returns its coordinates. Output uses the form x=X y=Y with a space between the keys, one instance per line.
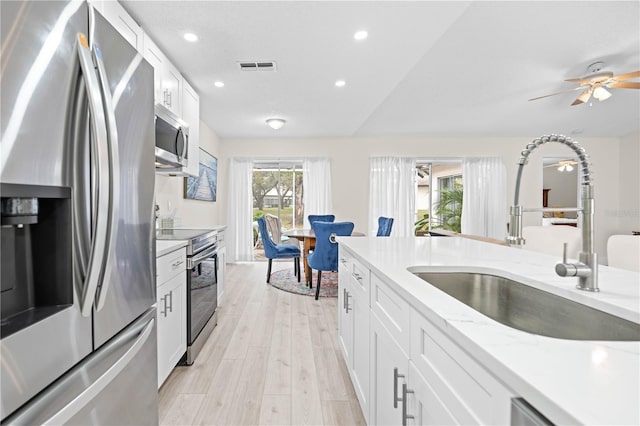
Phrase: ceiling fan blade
x=630 y=75
x=557 y=93
x=584 y=97
x=624 y=85
x=584 y=81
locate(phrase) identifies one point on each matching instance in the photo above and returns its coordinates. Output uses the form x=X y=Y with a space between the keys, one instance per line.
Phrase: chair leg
x=310 y=278
x=318 y=285
x=298 y=264
x=295 y=267
x=269 y=271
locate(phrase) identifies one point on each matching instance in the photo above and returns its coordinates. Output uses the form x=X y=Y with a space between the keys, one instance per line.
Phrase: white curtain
x=392 y=193
x=484 y=199
x=240 y=210
x=316 y=181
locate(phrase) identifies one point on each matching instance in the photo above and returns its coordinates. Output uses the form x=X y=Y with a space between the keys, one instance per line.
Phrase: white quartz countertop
x=569 y=381
x=167 y=246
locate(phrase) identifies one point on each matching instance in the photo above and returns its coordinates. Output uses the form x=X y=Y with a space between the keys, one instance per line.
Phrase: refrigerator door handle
x=95 y=266
x=114 y=177
x=78 y=403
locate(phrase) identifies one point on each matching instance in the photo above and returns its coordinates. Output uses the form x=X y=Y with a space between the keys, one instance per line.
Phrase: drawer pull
x=357 y=276
x=175 y=265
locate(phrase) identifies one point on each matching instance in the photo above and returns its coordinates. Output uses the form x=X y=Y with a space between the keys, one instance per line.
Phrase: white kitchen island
x=463 y=366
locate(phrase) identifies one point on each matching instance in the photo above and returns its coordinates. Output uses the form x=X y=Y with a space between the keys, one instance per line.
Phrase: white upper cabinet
x=191 y=115
x=121 y=21
x=167 y=78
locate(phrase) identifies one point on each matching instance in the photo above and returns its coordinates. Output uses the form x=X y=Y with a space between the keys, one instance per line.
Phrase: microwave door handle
x=100 y=160
x=181 y=136
x=114 y=178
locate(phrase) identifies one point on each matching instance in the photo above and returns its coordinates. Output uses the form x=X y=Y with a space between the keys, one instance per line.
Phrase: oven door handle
x=196 y=260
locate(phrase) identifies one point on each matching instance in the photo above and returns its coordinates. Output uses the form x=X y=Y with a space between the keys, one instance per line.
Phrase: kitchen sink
x=529 y=309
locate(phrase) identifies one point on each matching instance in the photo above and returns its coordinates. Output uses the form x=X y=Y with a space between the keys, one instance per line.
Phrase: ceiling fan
x=597 y=82
x=563 y=165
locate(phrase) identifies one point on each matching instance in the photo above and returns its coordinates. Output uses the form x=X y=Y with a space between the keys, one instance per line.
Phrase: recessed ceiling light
x=340 y=83
x=219 y=84
x=275 y=123
x=190 y=37
x=361 y=35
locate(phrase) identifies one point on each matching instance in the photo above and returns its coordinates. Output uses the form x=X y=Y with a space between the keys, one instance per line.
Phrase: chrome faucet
x=586 y=269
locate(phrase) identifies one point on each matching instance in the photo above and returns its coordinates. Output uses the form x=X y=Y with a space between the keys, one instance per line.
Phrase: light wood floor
x=273 y=359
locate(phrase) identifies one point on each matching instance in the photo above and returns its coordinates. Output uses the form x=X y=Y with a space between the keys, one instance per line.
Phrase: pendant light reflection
x=275 y=123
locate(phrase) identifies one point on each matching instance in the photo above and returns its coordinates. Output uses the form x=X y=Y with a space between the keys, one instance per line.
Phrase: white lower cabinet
x=353 y=300
x=389 y=369
x=171 y=314
x=424 y=407
x=416 y=374
x=222 y=270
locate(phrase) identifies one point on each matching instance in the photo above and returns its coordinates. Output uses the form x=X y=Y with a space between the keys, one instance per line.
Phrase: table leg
x=307 y=270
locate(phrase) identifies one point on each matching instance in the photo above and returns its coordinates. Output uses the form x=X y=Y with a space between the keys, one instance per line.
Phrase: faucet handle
x=564 y=252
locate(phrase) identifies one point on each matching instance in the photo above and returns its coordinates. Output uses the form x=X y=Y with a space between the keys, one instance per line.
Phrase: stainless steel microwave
x=172 y=140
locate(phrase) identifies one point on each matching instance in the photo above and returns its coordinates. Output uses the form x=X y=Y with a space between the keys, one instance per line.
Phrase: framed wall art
x=205 y=186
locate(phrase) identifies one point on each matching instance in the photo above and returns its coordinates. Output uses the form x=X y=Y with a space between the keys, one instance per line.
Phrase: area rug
x=287 y=281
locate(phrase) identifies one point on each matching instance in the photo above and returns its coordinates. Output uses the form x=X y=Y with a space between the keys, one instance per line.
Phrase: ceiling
x=427 y=68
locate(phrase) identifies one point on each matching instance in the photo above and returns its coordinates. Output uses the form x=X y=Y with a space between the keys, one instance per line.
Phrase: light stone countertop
x=167 y=246
x=586 y=382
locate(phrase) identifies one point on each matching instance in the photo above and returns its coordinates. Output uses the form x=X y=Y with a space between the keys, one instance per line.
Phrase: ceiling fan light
x=561 y=167
x=569 y=167
x=275 y=123
x=601 y=94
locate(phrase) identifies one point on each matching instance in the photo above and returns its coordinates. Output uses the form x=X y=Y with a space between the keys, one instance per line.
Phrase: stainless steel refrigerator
x=78 y=332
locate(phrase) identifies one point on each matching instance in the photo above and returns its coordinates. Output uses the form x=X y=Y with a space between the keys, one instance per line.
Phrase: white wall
x=350 y=168
x=192 y=213
x=629 y=184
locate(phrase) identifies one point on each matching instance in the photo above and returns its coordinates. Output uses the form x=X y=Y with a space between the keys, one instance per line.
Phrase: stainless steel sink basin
x=532 y=310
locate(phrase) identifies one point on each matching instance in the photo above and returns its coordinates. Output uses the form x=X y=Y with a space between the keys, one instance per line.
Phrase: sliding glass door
x=277 y=189
x=438 y=195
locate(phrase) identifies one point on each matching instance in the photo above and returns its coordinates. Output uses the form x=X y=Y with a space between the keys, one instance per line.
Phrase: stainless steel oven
x=202 y=285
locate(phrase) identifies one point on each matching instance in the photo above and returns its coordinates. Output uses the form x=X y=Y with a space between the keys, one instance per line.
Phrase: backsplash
x=170 y=198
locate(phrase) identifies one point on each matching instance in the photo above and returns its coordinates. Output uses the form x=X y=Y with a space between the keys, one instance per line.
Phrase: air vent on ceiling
x=257 y=65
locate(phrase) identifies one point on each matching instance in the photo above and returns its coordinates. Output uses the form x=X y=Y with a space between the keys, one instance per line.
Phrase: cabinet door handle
x=169 y=97
x=344 y=299
x=164 y=97
x=405 y=416
x=396 y=376
x=164 y=301
x=347 y=308
x=171 y=301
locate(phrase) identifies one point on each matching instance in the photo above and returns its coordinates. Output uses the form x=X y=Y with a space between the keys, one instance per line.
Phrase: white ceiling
x=427 y=67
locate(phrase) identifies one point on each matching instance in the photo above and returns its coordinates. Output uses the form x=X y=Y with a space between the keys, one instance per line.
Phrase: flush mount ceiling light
x=275 y=123
x=190 y=37
x=340 y=83
x=219 y=84
x=361 y=35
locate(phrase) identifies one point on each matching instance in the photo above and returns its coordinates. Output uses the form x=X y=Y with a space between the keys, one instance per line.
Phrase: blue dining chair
x=275 y=251
x=325 y=255
x=384 y=226
x=320 y=218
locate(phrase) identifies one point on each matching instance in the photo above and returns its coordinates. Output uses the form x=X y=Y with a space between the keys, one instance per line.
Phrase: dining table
x=308 y=238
